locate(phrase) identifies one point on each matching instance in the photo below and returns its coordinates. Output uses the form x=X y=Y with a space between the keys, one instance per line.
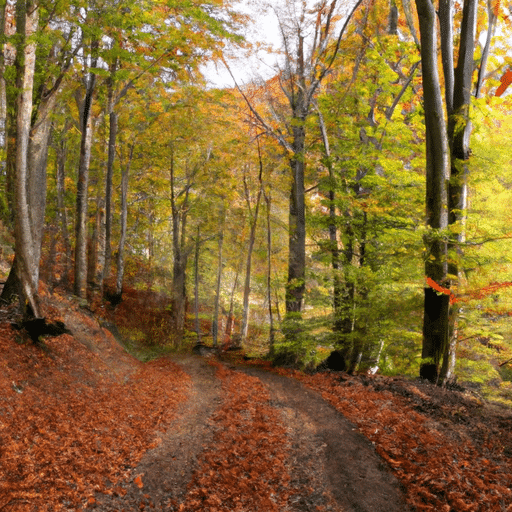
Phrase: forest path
x=329 y=444
x=332 y=466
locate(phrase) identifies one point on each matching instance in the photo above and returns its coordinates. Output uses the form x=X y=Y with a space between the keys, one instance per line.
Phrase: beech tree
x=448 y=131
x=28 y=222
x=309 y=46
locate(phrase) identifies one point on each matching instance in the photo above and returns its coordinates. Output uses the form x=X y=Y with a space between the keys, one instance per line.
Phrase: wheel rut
x=332 y=466
x=341 y=460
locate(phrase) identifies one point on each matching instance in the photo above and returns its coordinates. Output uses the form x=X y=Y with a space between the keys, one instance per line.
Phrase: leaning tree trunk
x=436 y=305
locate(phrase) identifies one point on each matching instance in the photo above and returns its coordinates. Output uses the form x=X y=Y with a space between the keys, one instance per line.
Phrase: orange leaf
x=138 y=482
x=505 y=80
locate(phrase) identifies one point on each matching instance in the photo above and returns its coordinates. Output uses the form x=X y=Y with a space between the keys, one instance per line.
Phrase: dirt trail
x=167 y=469
x=346 y=462
x=335 y=465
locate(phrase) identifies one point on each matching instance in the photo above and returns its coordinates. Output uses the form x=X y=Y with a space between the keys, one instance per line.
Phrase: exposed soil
x=167 y=469
x=332 y=451
x=331 y=465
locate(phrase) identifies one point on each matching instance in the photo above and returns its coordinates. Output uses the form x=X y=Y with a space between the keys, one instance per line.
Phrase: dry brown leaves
x=442 y=471
x=245 y=468
x=70 y=424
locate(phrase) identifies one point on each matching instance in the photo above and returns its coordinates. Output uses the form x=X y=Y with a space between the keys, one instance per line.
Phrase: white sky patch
x=261 y=63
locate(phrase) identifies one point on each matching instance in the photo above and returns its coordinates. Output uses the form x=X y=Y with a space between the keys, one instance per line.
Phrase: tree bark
x=459 y=133
x=196 y=286
x=296 y=282
x=271 y=334
x=436 y=311
x=27 y=262
x=80 y=284
x=253 y=220
x=216 y=307
x=179 y=215
x=124 y=225
x=61 y=206
x=112 y=136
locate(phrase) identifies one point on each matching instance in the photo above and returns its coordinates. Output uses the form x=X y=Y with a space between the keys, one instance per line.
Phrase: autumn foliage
x=245 y=468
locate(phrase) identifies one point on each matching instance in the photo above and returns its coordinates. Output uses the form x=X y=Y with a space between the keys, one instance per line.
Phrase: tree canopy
x=354 y=202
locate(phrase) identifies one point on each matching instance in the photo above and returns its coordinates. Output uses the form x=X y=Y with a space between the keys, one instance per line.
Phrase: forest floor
x=85 y=426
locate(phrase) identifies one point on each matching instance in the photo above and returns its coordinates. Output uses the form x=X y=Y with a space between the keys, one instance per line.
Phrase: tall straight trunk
x=61 y=206
x=216 y=307
x=252 y=238
x=95 y=248
x=459 y=134
x=124 y=223
x=108 y=193
x=27 y=263
x=180 y=255
x=112 y=136
x=80 y=285
x=3 y=86
x=40 y=135
x=196 y=286
x=271 y=334
x=436 y=306
x=231 y=317
x=296 y=282
x=333 y=232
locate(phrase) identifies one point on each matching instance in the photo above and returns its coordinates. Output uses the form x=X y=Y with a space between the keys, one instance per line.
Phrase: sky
x=263 y=28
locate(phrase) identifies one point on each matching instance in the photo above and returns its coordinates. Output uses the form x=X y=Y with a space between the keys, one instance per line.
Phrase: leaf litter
x=77 y=415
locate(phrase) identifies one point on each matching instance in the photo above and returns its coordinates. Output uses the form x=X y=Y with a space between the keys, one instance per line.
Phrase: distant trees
x=169 y=43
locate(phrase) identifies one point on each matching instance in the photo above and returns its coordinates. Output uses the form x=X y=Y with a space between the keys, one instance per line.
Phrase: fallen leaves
x=76 y=424
x=245 y=468
x=440 y=469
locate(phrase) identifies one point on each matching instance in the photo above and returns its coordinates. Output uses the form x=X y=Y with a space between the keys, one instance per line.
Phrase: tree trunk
x=3 y=86
x=459 y=134
x=112 y=136
x=80 y=285
x=61 y=207
x=296 y=283
x=271 y=335
x=180 y=256
x=436 y=310
x=216 y=307
x=231 y=317
x=333 y=232
x=124 y=223
x=196 y=287
x=253 y=219
x=27 y=262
